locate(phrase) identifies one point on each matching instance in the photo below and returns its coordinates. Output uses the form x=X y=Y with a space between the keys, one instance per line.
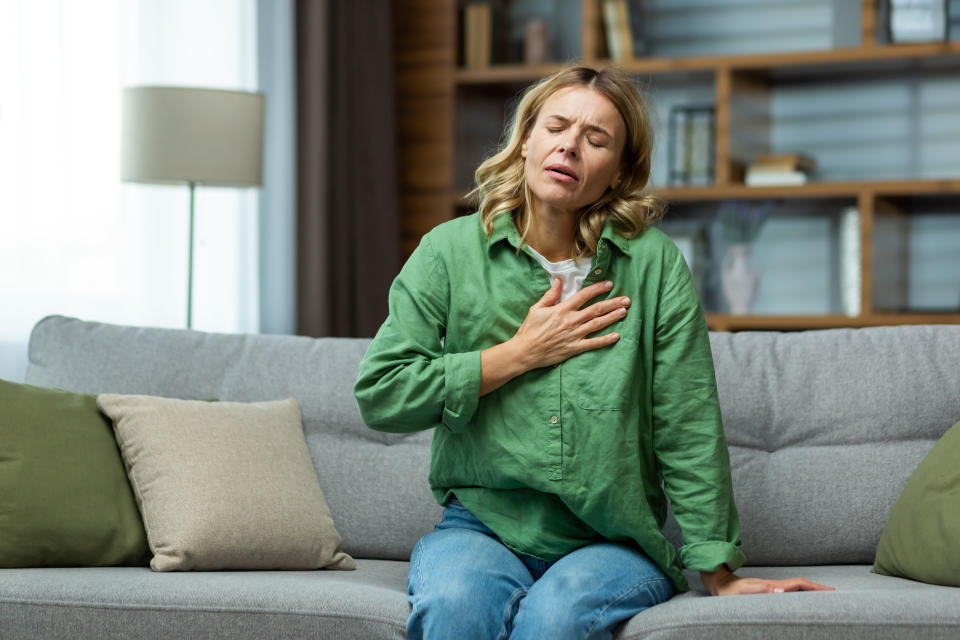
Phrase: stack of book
x=780 y=170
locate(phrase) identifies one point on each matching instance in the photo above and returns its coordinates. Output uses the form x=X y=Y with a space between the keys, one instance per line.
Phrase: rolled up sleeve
x=406 y=382
x=688 y=429
x=461 y=386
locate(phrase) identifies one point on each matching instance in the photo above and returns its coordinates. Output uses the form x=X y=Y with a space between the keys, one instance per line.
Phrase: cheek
x=528 y=168
x=602 y=175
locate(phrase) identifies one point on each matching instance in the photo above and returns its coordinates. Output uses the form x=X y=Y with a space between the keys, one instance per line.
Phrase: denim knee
x=589 y=592
x=463 y=584
x=584 y=617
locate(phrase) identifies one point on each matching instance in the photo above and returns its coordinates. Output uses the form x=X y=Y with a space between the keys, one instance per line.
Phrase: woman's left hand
x=724 y=582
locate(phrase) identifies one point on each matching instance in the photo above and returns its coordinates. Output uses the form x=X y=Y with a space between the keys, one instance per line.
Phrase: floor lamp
x=176 y=135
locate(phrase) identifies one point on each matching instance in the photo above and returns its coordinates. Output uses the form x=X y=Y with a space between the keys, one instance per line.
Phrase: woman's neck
x=552 y=233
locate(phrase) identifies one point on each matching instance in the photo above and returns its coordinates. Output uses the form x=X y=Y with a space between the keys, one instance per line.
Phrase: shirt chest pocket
x=604 y=379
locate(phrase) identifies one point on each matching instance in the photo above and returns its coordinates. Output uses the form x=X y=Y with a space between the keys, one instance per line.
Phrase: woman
x=556 y=343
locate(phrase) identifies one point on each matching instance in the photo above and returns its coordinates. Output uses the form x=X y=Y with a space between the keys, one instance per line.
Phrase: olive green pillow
x=921 y=540
x=64 y=495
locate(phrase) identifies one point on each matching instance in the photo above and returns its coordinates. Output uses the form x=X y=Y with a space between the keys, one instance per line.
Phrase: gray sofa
x=824 y=429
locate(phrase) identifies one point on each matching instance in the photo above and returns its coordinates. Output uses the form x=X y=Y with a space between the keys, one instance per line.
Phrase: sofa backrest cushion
x=375 y=483
x=824 y=427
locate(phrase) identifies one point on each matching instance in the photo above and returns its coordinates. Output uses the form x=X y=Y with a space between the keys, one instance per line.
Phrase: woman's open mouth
x=561 y=173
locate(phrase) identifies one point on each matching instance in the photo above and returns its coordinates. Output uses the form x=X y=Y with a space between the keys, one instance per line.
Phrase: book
x=849 y=263
x=616 y=22
x=637 y=20
x=774 y=178
x=891 y=262
x=784 y=162
x=610 y=31
x=623 y=24
x=477 y=30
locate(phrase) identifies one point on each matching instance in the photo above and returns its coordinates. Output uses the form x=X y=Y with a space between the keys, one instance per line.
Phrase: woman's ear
x=616 y=180
x=523 y=150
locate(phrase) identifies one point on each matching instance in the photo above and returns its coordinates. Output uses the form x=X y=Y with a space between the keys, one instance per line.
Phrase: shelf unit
x=743 y=89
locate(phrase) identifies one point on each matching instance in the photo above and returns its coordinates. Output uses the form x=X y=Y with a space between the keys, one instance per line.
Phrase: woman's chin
x=556 y=200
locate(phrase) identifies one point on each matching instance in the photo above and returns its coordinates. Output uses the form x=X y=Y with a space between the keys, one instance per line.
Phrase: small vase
x=536 y=42
x=739 y=278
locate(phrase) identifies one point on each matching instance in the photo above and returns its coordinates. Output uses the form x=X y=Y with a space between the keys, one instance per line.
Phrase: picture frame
x=911 y=21
x=691 y=145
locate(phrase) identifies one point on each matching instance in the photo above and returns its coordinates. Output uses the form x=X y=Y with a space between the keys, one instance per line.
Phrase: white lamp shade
x=179 y=134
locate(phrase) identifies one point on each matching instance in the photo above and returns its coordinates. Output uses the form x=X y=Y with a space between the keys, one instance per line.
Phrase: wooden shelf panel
x=811 y=190
x=504 y=73
x=867 y=56
x=845 y=60
x=726 y=322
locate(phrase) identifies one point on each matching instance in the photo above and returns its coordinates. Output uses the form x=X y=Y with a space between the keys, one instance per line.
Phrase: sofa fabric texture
x=824 y=429
x=224 y=485
x=92 y=357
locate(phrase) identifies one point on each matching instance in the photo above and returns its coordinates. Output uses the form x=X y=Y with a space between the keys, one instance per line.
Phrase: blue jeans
x=465 y=583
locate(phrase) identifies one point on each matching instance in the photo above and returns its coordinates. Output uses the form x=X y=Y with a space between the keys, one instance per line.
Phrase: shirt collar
x=615 y=238
x=504 y=228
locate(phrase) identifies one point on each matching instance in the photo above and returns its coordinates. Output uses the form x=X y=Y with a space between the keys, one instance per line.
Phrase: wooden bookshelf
x=743 y=84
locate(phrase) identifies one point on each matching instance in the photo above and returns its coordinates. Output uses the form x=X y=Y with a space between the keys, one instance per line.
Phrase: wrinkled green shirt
x=582 y=451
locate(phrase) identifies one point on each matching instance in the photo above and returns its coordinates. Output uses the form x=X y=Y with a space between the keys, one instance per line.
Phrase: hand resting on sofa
x=724 y=582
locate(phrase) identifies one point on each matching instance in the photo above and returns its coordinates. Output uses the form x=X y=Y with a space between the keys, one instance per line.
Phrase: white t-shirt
x=571 y=272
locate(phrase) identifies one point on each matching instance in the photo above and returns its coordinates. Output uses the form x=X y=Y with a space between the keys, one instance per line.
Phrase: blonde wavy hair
x=501 y=187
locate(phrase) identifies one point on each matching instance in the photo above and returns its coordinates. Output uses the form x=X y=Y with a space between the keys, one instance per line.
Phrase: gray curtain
x=276 y=69
x=348 y=202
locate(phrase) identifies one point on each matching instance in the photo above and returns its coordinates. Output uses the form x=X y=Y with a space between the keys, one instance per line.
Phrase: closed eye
x=592 y=143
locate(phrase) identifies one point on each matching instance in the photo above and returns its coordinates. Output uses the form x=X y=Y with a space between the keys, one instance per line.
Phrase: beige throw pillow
x=224 y=485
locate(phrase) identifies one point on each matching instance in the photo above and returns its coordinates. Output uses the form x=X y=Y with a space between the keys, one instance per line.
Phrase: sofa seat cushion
x=864 y=605
x=371 y=602
x=134 y=602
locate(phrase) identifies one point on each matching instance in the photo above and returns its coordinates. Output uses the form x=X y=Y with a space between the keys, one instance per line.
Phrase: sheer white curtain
x=74 y=239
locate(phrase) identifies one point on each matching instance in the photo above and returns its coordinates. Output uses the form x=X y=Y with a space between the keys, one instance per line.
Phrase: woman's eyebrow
x=590 y=125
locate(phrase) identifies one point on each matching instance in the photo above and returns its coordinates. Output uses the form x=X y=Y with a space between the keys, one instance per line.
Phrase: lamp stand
x=190 y=262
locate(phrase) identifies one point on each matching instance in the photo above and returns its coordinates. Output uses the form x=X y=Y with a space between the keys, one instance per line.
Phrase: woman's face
x=572 y=153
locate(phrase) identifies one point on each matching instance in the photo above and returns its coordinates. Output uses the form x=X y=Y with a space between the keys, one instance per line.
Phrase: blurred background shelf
x=837 y=62
x=817 y=77
x=810 y=190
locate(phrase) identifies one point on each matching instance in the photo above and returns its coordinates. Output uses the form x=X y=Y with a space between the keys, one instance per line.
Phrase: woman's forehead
x=578 y=102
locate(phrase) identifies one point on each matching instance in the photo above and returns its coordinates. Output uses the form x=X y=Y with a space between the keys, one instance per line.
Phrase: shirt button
x=597 y=272
x=554 y=419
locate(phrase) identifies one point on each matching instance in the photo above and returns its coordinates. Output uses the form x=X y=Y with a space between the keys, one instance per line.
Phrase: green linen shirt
x=579 y=452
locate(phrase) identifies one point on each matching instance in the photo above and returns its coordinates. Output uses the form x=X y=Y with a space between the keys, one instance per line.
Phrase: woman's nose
x=569 y=146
